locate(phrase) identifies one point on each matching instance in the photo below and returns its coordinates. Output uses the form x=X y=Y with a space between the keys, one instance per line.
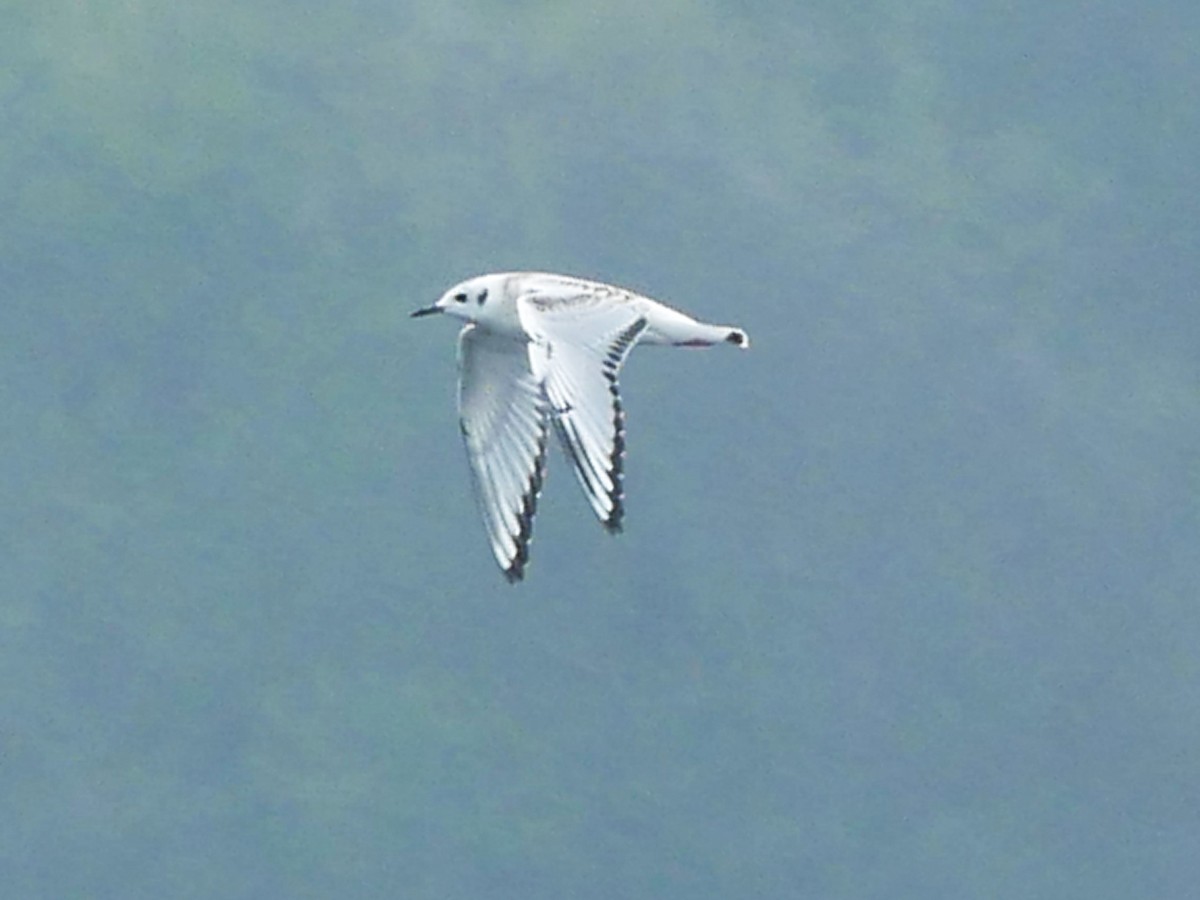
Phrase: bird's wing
x=576 y=352
x=503 y=413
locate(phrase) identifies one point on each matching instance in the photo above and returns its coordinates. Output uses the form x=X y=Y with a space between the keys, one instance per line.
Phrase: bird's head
x=465 y=300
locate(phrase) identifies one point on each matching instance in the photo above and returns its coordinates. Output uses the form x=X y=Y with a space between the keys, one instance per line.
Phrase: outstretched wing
x=576 y=351
x=503 y=411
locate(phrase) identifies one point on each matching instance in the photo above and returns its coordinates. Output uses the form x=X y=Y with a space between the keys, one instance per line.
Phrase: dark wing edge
x=513 y=562
x=594 y=446
x=504 y=422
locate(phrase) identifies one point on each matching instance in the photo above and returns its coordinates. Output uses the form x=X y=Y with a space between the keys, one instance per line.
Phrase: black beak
x=427 y=311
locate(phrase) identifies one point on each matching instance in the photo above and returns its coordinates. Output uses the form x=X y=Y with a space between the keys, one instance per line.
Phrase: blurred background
x=907 y=600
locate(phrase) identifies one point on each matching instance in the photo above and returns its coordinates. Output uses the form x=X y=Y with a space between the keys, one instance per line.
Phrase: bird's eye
x=482 y=297
x=460 y=298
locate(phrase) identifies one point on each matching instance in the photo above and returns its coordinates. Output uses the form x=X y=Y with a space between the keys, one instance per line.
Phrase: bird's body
x=542 y=350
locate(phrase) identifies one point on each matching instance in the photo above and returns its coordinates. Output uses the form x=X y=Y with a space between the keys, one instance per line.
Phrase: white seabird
x=541 y=350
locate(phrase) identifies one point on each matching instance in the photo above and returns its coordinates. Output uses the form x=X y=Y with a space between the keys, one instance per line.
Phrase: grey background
x=907 y=601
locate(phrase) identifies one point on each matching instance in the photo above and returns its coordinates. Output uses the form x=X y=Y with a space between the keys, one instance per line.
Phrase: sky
x=906 y=604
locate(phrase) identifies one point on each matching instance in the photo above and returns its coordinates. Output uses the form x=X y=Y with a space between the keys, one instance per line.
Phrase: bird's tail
x=737 y=337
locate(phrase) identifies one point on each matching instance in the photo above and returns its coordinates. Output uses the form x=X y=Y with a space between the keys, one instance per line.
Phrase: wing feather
x=576 y=351
x=503 y=413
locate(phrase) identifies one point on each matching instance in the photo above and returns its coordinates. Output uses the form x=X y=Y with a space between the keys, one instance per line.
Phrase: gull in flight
x=541 y=351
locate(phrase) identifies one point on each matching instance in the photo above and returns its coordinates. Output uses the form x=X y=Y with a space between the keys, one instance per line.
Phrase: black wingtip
x=524 y=536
